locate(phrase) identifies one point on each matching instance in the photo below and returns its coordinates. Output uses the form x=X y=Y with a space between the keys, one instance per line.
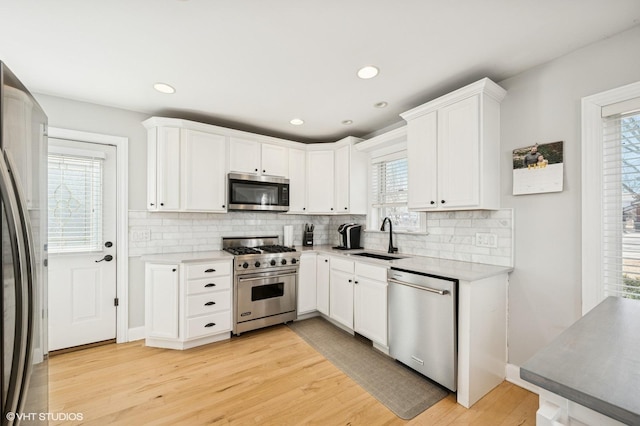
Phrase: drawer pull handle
x=211 y=324
x=210 y=285
x=209 y=303
x=210 y=270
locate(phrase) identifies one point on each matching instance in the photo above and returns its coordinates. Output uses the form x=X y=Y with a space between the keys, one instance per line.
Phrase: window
x=390 y=195
x=621 y=205
x=610 y=195
x=75 y=203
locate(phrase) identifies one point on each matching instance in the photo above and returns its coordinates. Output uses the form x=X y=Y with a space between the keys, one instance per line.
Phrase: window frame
x=373 y=219
x=592 y=219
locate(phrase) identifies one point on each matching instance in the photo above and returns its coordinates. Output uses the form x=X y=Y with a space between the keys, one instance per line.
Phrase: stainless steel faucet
x=392 y=249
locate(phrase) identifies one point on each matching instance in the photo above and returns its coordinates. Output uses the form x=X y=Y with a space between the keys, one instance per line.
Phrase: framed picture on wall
x=538 y=168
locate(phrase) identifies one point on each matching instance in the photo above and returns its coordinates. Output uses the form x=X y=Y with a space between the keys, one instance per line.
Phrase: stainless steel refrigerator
x=23 y=206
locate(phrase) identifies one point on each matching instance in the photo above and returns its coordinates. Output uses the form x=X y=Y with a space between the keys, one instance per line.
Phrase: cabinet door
x=307 y=283
x=459 y=153
x=320 y=178
x=370 y=309
x=168 y=169
x=161 y=301
x=203 y=171
x=322 y=284
x=422 y=139
x=275 y=161
x=341 y=297
x=244 y=156
x=342 y=162
x=297 y=180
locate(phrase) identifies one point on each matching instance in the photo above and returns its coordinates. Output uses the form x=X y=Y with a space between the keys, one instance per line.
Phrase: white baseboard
x=136 y=334
x=513 y=376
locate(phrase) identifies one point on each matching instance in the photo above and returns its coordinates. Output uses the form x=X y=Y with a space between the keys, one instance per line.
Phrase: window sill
x=377 y=231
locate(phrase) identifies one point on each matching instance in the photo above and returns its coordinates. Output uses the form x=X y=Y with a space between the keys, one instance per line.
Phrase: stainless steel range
x=265 y=282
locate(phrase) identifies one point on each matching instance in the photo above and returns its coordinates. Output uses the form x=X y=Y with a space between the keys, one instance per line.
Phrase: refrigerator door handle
x=19 y=252
x=29 y=287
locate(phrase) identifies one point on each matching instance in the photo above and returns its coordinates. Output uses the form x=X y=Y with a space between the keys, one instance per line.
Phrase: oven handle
x=267 y=277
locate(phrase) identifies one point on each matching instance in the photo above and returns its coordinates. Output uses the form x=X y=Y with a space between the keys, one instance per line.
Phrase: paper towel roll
x=288 y=235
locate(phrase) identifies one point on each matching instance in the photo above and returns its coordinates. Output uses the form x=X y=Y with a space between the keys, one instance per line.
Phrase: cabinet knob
x=162 y=204
x=331 y=208
x=210 y=270
x=442 y=201
x=173 y=270
x=256 y=170
x=432 y=202
x=209 y=303
x=346 y=208
x=210 y=285
x=350 y=280
x=152 y=204
x=211 y=324
x=304 y=208
x=355 y=282
x=326 y=260
x=264 y=171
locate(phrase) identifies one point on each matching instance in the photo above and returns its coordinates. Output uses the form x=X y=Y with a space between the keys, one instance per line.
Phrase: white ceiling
x=256 y=64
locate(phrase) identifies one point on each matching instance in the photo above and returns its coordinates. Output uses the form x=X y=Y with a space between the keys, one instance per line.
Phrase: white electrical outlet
x=486 y=239
x=141 y=235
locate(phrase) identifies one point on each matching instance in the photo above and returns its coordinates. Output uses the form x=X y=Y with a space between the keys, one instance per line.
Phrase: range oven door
x=264 y=294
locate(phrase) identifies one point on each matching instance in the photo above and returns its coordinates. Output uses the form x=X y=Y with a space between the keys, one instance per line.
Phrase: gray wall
x=543 y=105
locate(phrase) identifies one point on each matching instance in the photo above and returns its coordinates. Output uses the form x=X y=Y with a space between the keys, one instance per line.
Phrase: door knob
x=107 y=258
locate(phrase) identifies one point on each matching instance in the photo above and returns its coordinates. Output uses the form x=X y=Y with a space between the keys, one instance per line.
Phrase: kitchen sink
x=378 y=256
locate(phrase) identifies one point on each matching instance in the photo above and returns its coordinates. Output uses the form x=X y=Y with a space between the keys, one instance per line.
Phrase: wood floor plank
x=269 y=376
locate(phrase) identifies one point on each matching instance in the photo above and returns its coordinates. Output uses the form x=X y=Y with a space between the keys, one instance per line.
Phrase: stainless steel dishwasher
x=422 y=324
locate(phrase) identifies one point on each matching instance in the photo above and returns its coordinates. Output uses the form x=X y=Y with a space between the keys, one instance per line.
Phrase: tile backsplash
x=450 y=235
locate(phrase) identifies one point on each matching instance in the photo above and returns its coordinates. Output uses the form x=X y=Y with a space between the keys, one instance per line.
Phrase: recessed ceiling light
x=347 y=122
x=297 y=122
x=382 y=104
x=164 y=88
x=368 y=71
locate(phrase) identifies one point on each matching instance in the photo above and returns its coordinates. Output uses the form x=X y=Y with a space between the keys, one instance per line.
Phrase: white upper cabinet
x=275 y=161
x=163 y=169
x=186 y=169
x=252 y=157
x=203 y=171
x=244 y=156
x=337 y=179
x=453 y=145
x=297 y=181
x=320 y=182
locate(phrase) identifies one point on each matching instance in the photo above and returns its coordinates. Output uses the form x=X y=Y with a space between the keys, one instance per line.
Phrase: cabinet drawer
x=377 y=273
x=208 y=324
x=208 y=303
x=208 y=284
x=205 y=270
x=342 y=265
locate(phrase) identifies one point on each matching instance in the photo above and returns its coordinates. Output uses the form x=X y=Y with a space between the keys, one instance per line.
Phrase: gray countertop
x=596 y=361
x=188 y=257
x=466 y=271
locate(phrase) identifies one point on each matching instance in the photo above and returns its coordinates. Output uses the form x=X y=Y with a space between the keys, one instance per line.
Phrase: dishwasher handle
x=419 y=287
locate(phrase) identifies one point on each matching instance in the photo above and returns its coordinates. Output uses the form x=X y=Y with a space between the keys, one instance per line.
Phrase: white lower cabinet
x=322 y=283
x=341 y=292
x=358 y=298
x=187 y=304
x=307 y=291
x=370 y=302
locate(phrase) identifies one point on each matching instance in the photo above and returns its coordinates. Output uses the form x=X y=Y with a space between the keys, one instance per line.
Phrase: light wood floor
x=269 y=376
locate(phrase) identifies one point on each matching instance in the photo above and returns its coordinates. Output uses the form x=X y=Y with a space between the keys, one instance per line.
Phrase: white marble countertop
x=466 y=271
x=187 y=257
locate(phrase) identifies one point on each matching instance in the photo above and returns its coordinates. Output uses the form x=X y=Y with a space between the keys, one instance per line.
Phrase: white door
x=82 y=243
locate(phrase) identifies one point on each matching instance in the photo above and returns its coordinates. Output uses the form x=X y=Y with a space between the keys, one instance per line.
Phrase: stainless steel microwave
x=262 y=193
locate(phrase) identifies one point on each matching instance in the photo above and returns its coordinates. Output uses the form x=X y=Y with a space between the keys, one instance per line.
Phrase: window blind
x=74 y=203
x=390 y=193
x=621 y=205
